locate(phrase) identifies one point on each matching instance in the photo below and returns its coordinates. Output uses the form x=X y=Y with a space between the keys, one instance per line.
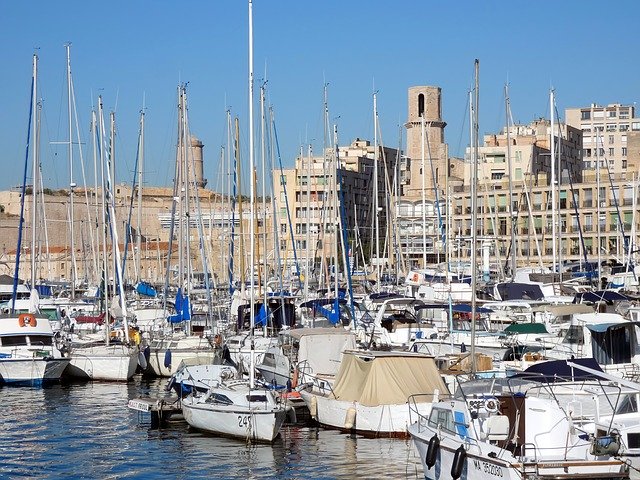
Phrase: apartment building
x=605 y=135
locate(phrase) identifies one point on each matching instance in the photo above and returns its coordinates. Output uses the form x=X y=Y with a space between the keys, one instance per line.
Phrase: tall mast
x=553 y=185
x=424 y=200
x=474 y=218
x=598 y=208
x=252 y=194
x=140 y=173
x=34 y=188
x=71 y=182
x=308 y=241
x=376 y=213
x=511 y=211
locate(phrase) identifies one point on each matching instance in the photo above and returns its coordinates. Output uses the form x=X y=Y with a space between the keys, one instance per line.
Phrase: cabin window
x=41 y=340
x=421 y=105
x=219 y=398
x=633 y=440
x=443 y=419
x=574 y=335
x=257 y=398
x=14 y=340
x=628 y=405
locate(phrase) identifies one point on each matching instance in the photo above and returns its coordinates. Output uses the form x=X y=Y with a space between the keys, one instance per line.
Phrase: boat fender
x=291 y=414
x=459 y=460
x=147 y=353
x=350 y=419
x=432 y=451
x=25 y=319
x=294 y=380
x=167 y=358
x=142 y=361
x=313 y=407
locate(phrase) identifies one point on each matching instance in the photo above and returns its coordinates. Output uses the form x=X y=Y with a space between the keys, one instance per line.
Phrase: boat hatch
x=257 y=398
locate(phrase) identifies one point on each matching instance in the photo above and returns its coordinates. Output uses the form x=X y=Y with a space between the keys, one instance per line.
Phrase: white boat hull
x=250 y=424
x=380 y=420
x=113 y=363
x=156 y=361
x=484 y=468
x=31 y=371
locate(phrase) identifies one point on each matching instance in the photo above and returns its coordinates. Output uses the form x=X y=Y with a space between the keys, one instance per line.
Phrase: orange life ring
x=25 y=319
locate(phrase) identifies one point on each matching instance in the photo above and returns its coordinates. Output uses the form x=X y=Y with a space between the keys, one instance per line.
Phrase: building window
x=624 y=127
x=611 y=152
x=611 y=113
x=283 y=228
x=421 y=105
x=611 y=139
x=283 y=244
x=283 y=180
x=624 y=164
x=635 y=126
x=586 y=152
x=611 y=127
x=497 y=175
x=624 y=114
x=624 y=151
x=585 y=115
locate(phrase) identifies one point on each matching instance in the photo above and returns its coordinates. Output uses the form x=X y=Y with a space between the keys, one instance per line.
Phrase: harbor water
x=86 y=431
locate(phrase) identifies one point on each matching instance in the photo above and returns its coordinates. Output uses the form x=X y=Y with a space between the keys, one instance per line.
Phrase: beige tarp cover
x=386 y=379
x=568 y=309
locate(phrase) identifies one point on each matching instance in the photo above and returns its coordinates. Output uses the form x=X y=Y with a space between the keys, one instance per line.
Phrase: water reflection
x=86 y=431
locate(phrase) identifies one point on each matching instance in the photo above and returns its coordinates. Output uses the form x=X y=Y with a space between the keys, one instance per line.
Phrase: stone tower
x=425 y=101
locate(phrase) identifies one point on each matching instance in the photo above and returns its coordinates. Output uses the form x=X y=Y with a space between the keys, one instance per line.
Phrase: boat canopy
x=600 y=296
x=321 y=348
x=523 y=328
x=519 y=291
x=562 y=310
x=385 y=378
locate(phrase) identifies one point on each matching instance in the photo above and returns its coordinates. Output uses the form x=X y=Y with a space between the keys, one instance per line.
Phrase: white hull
x=246 y=423
x=380 y=420
x=484 y=468
x=109 y=363
x=31 y=371
x=156 y=360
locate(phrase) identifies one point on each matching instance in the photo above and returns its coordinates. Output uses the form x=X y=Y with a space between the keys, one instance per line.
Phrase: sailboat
x=104 y=358
x=239 y=408
x=28 y=351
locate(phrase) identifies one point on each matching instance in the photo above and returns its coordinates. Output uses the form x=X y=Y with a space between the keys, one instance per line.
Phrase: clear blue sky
x=125 y=50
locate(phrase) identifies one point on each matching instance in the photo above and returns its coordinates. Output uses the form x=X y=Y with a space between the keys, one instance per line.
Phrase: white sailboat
x=103 y=359
x=28 y=351
x=239 y=408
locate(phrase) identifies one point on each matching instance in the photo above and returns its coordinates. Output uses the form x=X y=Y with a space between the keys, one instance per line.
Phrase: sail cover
x=384 y=378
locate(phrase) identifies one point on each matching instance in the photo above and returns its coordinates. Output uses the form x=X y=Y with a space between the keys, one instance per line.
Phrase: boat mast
x=71 y=182
x=424 y=200
x=252 y=197
x=511 y=211
x=553 y=185
x=140 y=173
x=376 y=209
x=474 y=218
x=36 y=162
